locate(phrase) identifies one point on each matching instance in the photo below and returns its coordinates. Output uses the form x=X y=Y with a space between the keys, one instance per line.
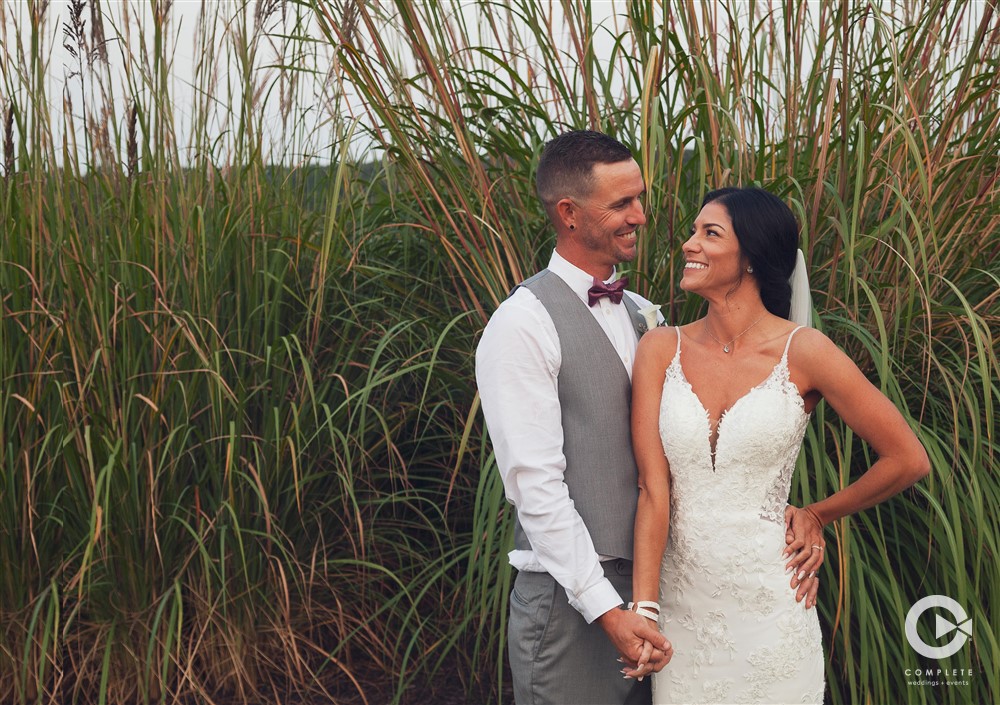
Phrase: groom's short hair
x=566 y=166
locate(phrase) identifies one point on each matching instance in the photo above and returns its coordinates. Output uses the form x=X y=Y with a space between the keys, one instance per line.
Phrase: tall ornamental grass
x=242 y=454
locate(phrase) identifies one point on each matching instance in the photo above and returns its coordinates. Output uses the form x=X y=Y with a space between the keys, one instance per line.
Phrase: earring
x=750 y=269
x=572 y=227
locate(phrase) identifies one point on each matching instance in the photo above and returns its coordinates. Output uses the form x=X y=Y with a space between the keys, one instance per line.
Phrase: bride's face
x=712 y=259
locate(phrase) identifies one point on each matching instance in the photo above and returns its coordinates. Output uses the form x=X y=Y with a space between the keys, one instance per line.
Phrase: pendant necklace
x=725 y=346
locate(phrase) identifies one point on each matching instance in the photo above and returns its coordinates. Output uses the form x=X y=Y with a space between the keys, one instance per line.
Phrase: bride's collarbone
x=721 y=379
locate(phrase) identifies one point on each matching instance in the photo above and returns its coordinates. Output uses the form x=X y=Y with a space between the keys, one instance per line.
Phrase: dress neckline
x=715 y=429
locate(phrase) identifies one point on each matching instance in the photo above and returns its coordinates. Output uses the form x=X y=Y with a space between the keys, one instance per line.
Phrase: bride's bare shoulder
x=812 y=344
x=658 y=343
x=813 y=355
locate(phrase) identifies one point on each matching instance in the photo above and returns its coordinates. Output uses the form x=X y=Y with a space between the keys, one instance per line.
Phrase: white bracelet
x=643 y=612
x=645 y=603
x=644 y=608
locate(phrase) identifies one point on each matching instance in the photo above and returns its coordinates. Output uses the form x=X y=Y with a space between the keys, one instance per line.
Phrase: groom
x=554 y=373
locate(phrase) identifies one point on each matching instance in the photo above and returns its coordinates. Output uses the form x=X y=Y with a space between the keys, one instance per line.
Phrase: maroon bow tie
x=614 y=291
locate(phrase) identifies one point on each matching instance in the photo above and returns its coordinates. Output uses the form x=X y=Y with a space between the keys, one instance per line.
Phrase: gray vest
x=595 y=394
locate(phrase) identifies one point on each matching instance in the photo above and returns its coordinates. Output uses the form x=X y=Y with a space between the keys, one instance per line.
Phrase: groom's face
x=610 y=215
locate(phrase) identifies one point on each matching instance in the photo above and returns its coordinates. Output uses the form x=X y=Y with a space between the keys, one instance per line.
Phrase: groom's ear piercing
x=572 y=227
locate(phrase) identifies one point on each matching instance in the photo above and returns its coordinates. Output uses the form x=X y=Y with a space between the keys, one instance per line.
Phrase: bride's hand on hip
x=805 y=551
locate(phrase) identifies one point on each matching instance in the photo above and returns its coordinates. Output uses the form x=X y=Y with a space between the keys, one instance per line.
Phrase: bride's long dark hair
x=769 y=238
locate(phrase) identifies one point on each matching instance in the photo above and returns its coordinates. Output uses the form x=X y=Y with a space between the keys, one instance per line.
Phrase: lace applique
x=711 y=631
x=679 y=568
x=696 y=424
x=759 y=602
x=783 y=660
x=718 y=690
x=776 y=496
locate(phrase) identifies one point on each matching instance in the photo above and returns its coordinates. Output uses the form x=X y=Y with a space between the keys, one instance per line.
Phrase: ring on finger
x=817 y=548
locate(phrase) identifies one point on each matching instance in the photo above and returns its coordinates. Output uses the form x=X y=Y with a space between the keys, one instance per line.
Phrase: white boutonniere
x=650 y=315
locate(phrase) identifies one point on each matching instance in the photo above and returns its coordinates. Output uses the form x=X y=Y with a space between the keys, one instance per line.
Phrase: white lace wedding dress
x=738 y=634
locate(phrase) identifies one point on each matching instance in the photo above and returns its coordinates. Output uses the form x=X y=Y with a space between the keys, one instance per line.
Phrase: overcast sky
x=310 y=134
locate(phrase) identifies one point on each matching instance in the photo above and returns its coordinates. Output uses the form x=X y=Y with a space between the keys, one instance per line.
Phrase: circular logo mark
x=962 y=627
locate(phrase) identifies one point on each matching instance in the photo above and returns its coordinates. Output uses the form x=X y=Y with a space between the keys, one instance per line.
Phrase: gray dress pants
x=556 y=658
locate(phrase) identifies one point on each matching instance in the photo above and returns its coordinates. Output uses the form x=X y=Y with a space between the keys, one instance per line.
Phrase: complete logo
x=962 y=627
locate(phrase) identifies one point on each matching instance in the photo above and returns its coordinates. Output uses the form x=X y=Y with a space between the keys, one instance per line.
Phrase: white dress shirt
x=517 y=369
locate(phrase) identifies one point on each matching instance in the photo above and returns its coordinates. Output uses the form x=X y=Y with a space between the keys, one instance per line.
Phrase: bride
x=719 y=409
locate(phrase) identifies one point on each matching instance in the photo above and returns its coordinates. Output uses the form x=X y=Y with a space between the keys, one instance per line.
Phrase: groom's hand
x=630 y=633
x=653 y=658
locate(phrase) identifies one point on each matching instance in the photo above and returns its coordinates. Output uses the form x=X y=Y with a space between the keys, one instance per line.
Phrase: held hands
x=806 y=549
x=643 y=649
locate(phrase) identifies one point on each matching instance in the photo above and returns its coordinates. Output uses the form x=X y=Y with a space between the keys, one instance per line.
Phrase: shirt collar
x=577 y=279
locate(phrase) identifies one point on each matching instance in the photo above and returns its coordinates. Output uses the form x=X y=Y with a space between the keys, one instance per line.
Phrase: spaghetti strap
x=784 y=355
x=678 y=331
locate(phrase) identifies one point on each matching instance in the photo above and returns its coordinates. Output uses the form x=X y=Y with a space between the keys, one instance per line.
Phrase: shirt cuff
x=596 y=600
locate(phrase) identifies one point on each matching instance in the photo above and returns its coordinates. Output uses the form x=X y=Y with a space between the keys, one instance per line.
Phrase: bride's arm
x=902 y=460
x=652 y=514
x=821 y=367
